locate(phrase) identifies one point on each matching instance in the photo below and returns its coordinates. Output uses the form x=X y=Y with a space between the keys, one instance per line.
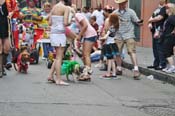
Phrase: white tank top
x=57 y=24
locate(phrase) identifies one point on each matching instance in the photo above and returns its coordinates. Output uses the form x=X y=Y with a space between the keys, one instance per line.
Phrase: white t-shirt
x=99 y=16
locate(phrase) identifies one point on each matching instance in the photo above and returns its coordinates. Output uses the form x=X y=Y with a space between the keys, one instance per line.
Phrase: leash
x=10 y=33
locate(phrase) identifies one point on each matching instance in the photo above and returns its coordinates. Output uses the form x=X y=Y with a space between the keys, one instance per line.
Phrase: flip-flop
x=51 y=80
x=106 y=76
x=62 y=83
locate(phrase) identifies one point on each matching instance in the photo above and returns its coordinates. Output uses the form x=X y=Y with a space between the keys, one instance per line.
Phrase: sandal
x=107 y=76
x=62 y=83
x=84 y=78
x=50 y=79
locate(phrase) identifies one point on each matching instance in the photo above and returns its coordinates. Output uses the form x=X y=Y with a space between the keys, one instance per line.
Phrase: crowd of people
x=90 y=30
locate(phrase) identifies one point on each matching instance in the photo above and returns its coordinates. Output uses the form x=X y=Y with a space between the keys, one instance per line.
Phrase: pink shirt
x=90 y=32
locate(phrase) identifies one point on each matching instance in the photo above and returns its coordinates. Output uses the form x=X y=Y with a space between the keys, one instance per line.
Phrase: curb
x=167 y=78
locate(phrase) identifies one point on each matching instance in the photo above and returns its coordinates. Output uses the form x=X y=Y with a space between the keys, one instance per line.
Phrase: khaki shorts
x=130 y=44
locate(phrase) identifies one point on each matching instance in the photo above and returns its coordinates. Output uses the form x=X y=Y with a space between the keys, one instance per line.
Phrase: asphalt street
x=31 y=95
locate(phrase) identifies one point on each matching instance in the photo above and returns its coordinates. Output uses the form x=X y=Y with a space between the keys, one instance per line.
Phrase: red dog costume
x=22 y=61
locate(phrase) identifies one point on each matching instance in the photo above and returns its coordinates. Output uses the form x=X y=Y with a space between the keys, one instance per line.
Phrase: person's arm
x=84 y=27
x=155 y=19
x=66 y=16
x=80 y=19
x=105 y=36
x=135 y=19
x=158 y=18
x=49 y=19
x=106 y=28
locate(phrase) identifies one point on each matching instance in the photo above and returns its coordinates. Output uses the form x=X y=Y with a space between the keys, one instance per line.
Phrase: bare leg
x=170 y=61
x=113 y=67
x=134 y=59
x=136 y=69
x=58 y=62
x=1 y=64
x=87 y=47
x=109 y=67
x=5 y=52
x=119 y=62
x=51 y=73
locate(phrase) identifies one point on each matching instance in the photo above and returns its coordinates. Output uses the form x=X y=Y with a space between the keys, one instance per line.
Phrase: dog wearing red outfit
x=23 y=60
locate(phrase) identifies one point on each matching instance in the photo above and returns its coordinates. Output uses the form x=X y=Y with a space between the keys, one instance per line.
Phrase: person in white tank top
x=58 y=20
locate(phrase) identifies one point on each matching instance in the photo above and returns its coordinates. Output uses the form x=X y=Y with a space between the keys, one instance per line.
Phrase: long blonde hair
x=171 y=8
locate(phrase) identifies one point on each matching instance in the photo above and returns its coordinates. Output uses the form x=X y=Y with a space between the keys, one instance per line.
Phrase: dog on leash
x=71 y=68
x=23 y=60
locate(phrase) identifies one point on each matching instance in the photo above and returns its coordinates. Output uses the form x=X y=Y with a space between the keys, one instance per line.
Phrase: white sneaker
x=170 y=70
x=165 y=69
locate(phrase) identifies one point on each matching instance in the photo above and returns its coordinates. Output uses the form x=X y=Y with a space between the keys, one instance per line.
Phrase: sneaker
x=165 y=69
x=151 y=66
x=159 y=67
x=90 y=71
x=115 y=77
x=8 y=66
x=170 y=70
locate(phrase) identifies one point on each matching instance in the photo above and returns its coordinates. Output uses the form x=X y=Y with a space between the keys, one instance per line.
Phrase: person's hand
x=140 y=22
x=157 y=34
x=10 y=15
x=150 y=20
x=173 y=32
x=102 y=38
x=150 y=26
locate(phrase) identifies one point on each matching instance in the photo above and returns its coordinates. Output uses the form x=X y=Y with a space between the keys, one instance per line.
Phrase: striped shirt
x=126 y=28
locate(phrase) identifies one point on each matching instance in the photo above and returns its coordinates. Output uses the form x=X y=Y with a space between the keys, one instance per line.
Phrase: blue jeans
x=9 y=58
x=91 y=39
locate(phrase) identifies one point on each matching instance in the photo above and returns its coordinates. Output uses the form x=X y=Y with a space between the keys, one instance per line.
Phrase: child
x=93 y=23
x=110 y=48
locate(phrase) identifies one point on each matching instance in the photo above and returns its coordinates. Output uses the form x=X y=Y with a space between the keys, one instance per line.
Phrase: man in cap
x=125 y=35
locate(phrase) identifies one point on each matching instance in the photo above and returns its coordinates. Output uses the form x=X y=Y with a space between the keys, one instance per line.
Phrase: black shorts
x=3 y=27
x=168 y=45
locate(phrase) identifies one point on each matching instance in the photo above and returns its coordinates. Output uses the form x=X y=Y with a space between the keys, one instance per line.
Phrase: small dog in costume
x=22 y=60
x=70 y=68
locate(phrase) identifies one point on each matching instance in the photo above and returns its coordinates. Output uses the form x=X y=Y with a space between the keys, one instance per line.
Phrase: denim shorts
x=91 y=39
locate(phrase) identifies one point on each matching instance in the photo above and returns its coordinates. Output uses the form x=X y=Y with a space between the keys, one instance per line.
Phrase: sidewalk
x=145 y=58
